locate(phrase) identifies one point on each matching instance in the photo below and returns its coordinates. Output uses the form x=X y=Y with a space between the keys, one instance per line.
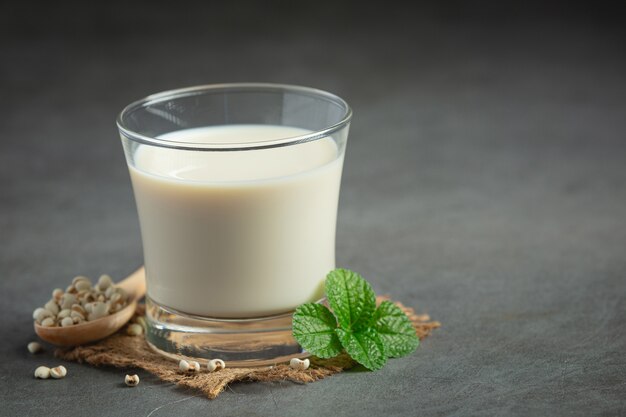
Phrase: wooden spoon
x=90 y=331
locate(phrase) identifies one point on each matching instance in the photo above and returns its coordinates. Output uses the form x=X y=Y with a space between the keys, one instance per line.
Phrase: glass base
x=238 y=342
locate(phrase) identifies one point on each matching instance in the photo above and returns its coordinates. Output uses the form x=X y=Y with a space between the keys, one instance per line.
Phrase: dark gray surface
x=485 y=184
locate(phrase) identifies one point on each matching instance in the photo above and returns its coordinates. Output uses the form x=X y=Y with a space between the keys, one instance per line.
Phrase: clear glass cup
x=236 y=187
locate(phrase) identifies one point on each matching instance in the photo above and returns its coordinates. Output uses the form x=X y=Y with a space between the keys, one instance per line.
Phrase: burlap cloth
x=125 y=351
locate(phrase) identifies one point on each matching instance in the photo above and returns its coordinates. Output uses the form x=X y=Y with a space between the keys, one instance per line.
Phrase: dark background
x=484 y=183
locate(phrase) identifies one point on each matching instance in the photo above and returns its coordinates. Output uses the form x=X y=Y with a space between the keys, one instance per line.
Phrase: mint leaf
x=351 y=297
x=395 y=330
x=364 y=346
x=368 y=334
x=314 y=327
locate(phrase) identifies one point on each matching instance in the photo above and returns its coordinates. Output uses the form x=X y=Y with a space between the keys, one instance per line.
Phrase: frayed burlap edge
x=125 y=351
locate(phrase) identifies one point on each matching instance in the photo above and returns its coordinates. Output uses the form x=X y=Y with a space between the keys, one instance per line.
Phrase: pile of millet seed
x=80 y=302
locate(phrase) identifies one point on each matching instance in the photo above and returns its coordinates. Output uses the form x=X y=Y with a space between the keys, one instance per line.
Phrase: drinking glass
x=236 y=187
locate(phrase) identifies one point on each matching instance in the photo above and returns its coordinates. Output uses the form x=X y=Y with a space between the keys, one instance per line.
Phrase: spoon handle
x=135 y=284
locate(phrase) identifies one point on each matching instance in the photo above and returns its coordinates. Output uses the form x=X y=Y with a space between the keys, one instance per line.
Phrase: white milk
x=237 y=234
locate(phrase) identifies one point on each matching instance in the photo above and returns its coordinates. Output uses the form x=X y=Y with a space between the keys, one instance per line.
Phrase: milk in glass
x=238 y=233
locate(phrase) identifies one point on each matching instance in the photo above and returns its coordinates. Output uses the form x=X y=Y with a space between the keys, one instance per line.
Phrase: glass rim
x=206 y=88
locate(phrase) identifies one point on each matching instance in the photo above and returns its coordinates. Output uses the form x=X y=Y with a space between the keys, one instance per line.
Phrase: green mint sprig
x=368 y=334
